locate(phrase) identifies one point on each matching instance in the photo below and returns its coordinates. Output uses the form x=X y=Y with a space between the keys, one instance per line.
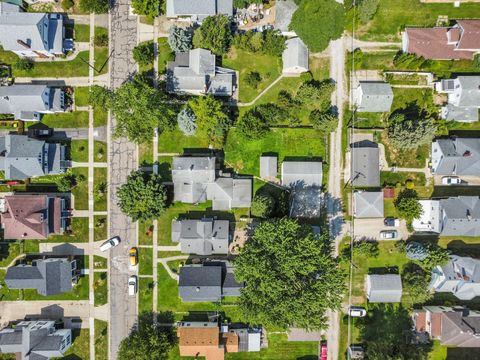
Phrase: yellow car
x=133 y=256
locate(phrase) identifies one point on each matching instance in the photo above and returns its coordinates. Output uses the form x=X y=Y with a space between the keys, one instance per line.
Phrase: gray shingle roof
x=374 y=97
x=48 y=277
x=384 y=288
x=460 y=329
x=190 y=176
x=368 y=204
x=457 y=113
x=200 y=8
x=202 y=237
x=268 y=166
x=229 y=192
x=470 y=95
x=200 y=283
x=230 y=286
x=456 y=156
x=302 y=173
x=40 y=31
x=365 y=164
x=461 y=216
x=295 y=56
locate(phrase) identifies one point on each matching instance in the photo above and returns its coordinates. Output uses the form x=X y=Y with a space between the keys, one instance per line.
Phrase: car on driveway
x=356 y=311
x=451 y=180
x=132 y=285
x=133 y=255
x=110 y=243
x=388 y=234
x=392 y=222
x=323 y=351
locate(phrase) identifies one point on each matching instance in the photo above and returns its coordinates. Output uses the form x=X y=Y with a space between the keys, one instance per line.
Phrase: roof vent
x=197 y=289
x=469 y=216
x=467 y=153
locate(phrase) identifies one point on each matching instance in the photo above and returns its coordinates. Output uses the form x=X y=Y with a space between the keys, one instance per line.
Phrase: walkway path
x=93 y=164
x=164 y=262
x=170 y=248
x=261 y=94
x=65 y=81
x=79 y=46
x=369 y=44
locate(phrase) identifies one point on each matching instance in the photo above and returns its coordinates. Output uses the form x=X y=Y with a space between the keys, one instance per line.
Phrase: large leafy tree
x=143 y=196
x=143 y=53
x=147 y=341
x=179 y=39
x=410 y=132
x=407 y=205
x=139 y=109
x=94 y=6
x=291 y=278
x=415 y=283
x=150 y=8
x=317 y=22
x=214 y=34
x=366 y=10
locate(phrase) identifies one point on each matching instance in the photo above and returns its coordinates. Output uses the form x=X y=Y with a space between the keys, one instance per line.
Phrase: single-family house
x=460 y=41
x=197 y=11
x=50 y=276
x=384 y=288
x=195 y=73
x=196 y=180
x=365 y=164
x=459 y=276
x=35 y=340
x=211 y=340
x=22 y=157
x=456 y=156
x=373 y=96
x=32 y=216
x=463 y=98
x=453 y=216
x=32 y=34
x=295 y=57
x=28 y=101
x=368 y=204
x=453 y=326
x=304 y=178
x=209 y=281
x=268 y=167
x=202 y=237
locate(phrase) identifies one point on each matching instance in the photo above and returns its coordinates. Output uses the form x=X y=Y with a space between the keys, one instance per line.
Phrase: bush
x=149 y=8
x=410 y=133
x=316 y=92
x=23 y=64
x=67 y=4
x=476 y=61
x=263 y=206
x=186 y=120
x=101 y=40
x=366 y=10
x=143 y=53
x=214 y=34
x=323 y=121
x=99 y=96
x=407 y=205
x=416 y=251
x=253 y=125
x=269 y=42
x=179 y=39
x=252 y=79
x=66 y=183
x=366 y=248
x=437 y=256
x=415 y=282
x=94 y=6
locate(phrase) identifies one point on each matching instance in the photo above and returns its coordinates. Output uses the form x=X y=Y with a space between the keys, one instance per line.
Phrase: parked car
x=132 y=285
x=451 y=180
x=390 y=221
x=388 y=234
x=356 y=311
x=110 y=243
x=323 y=351
x=133 y=255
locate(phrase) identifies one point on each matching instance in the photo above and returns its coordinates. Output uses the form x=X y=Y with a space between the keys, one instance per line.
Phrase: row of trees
x=88 y=6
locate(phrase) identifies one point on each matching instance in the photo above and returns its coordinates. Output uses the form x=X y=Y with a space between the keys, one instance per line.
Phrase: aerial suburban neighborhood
x=240 y=179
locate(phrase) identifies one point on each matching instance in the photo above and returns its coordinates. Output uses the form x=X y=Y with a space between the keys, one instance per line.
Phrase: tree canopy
x=214 y=34
x=179 y=39
x=366 y=10
x=291 y=278
x=143 y=53
x=415 y=283
x=410 y=132
x=317 y=22
x=150 y=8
x=143 y=196
x=139 y=109
x=94 y=6
x=269 y=42
x=407 y=205
x=263 y=205
x=256 y=122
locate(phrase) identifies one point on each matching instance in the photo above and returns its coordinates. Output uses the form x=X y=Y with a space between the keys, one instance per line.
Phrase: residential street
x=122 y=161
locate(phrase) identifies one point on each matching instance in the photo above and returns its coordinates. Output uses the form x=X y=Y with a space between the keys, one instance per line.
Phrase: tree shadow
x=463 y=353
x=383 y=270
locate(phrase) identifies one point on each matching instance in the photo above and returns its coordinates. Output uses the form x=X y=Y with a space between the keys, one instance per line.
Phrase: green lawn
x=79 y=233
x=145 y=261
x=100 y=117
x=100 y=231
x=99 y=262
x=101 y=340
x=175 y=142
x=269 y=68
x=5 y=293
x=145 y=233
x=99 y=199
x=243 y=155
x=10 y=251
x=79 y=292
x=319 y=67
x=100 y=286
x=393 y=15
x=145 y=295
x=82 y=32
x=81 y=95
x=145 y=154
x=74 y=119
x=80 y=348
x=79 y=150
x=80 y=191
x=165 y=54
x=100 y=151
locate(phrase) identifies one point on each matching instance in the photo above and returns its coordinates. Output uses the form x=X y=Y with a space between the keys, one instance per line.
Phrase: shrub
x=366 y=248
x=410 y=133
x=269 y=42
x=67 y=4
x=143 y=53
x=23 y=64
x=94 y=6
x=415 y=282
x=179 y=39
x=252 y=79
x=214 y=34
x=407 y=205
x=416 y=251
x=323 y=121
x=366 y=10
x=316 y=92
x=101 y=40
x=263 y=206
x=66 y=183
x=409 y=184
x=186 y=120
x=253 y=125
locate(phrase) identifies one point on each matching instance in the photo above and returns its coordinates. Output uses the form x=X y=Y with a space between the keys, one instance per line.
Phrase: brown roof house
x=460 y=41
x=453 y=326
x=212 y=341
x=32 y=216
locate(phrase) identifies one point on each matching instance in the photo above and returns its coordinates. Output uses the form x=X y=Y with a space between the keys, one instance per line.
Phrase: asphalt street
x=122 y=161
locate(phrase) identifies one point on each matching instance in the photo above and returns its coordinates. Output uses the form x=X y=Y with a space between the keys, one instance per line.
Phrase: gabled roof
x=6 y=7
x=374 y=96
x=230 y=192
x=470 y=90
x=368 y=204
x=26 y=217
x=470 y=34
x=459 y=113
x=268 y=166
x=365 y=164
x=202 y=237
x=300 y=174
x=384 y=288
x=461 y=216
x=200 y=283
x=456 y=156
x=295 y=55
x=460 y=329
x=19 y=98
x=191 y=176
x=199 y=8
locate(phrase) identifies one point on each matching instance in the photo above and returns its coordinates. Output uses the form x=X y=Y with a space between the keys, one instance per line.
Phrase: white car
x=132 y=285
x=110 y=243
x=451 y=180
x=355 y=311
x=388 y=234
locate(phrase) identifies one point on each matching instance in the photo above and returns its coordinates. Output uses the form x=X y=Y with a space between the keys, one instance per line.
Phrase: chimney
x=469 y=216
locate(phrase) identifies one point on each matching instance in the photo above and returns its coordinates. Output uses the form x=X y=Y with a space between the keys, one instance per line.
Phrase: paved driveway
x=370 y=229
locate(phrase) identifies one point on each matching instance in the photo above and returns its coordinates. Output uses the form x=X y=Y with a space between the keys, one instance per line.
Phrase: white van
x=110 y=243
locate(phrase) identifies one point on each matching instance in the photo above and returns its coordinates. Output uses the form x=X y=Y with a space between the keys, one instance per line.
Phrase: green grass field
x=81 y=95
x=79 y=233
x=145 y=261
x=100 y=286
x=101 y=340
x=80 y=191
x=79 y=150
x=145 y=295
x=74 y=119
x=99 y=262
x=99 y=199
x=144 y=233
x=80 y=348
x=101 y=225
